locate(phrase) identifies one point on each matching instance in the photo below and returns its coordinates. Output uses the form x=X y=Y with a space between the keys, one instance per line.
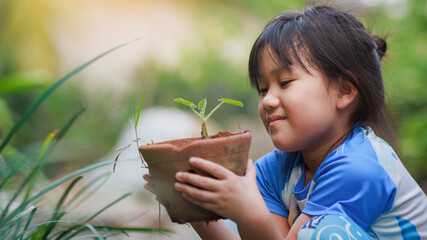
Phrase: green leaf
x=202 y=105
x=78 y=228
x=6 y=119
x=134 y=229
x=28 y=222
x=90 y=187
x=94 y=231
x=37 y=226
x=48 y=92
x=231 y=101
x=39 y=162
x=30 y=178
x=47 y=189
x=139 y=109
x=185 y=102
x=59 y=213
x=12 y=172
x=25 y=80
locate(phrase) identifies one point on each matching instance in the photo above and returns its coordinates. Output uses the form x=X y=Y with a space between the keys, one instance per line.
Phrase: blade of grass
x=139 y=109
x=131 y=229
x=125 y=115
x=17 y=227
x=39 y=163
x=36 y=169
x=13 y=214
x=81 y=228
x=35 y=227
x=59 y=213
x=77 y=228
x=87 y=186
x=42 y=155
x=12 y=172
x=28 y=222
x=90 y=227
x=17 y=192
x=49 y=91
x=68 y=124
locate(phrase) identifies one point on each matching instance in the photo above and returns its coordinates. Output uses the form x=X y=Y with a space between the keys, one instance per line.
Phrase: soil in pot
x=164 y=159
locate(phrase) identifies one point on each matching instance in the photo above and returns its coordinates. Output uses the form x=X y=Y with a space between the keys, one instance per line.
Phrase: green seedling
x=136 y=119
x=200 y=110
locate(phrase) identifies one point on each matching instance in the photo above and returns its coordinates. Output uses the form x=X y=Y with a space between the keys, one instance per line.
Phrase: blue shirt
x=362 y=179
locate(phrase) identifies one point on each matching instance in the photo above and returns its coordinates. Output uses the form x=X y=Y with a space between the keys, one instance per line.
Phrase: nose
x=270 y=101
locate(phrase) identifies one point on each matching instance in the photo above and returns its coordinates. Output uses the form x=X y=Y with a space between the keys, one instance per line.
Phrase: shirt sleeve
x=354 y=186
x=269 y=176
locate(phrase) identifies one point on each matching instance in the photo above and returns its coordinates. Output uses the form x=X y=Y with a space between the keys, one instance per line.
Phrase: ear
x=347 y=93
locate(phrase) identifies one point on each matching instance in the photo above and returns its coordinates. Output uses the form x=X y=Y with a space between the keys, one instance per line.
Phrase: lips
x=274 y=118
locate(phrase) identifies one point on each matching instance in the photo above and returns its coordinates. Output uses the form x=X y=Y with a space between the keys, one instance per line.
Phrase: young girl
x=321 y=99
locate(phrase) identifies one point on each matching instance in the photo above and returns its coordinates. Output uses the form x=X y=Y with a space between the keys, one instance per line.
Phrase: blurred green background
x=190 y=49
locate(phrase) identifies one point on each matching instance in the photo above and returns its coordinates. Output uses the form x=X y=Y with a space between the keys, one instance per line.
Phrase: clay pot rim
x=210 y=156
x=193 y=141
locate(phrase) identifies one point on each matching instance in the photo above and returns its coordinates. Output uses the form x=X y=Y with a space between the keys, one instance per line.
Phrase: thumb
x=250 y=169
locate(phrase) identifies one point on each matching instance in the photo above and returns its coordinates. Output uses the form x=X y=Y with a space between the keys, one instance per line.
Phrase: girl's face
x=297 y=108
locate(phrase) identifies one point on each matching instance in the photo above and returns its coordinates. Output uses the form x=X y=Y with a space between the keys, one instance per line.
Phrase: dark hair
x=338 y=45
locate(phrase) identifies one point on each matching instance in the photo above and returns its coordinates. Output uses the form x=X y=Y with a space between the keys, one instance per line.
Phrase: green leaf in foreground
x=39 y=162
x=47 y=189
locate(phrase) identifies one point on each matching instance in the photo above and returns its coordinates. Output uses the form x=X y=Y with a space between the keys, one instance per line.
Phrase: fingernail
x=177 y=186
x=193 y=159
x=178 y=175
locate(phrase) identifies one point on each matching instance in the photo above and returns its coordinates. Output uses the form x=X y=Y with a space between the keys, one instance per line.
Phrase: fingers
x=203 y=204
x=149 y=186
x=212 y=168
x=147 y=177
x=206 y=183
x=196 y=195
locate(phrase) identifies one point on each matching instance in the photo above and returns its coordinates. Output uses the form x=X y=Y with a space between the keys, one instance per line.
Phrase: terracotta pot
x=164 y=159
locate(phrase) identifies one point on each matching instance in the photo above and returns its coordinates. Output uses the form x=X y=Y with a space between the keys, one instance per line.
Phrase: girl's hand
x=149 y=186
x=231 y=196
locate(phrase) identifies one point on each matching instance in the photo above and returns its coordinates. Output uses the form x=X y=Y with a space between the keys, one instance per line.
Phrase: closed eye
x=262 y=91
x=284 y=83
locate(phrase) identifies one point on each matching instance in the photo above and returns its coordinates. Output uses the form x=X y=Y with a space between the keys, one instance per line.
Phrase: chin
x=283 y=146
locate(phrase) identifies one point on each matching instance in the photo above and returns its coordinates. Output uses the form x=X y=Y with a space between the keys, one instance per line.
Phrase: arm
x=301 y=220
x=231 y=196
x=214 y=230
x=281 y=224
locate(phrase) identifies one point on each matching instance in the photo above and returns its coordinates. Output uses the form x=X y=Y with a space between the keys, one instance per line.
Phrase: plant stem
x=205 y=134
x=144 y=165
x=217 y=106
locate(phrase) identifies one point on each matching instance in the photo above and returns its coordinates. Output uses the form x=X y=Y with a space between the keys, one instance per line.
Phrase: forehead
x=270 y=62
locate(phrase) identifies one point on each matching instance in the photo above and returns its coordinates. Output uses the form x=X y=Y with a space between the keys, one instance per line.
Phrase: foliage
x=20 y=217
x=200 y=110
x=136 y=114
